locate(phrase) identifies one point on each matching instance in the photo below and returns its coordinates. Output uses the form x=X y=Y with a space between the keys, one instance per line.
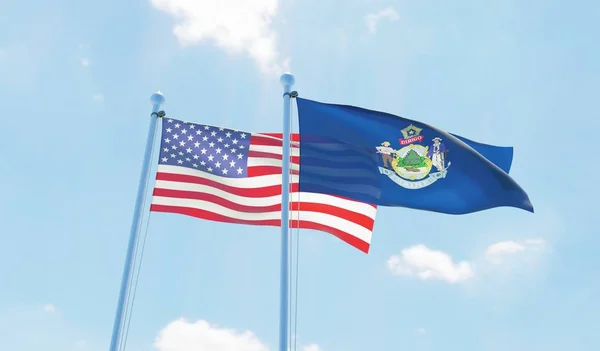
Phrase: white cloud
x=421 y=330
x=312 y=347
x=372 y=18
x=181 y=335
x=98 y=97
x=427 y=264
x=238 y=26
x=85 y=62
x=49 y=308
x=497 y=252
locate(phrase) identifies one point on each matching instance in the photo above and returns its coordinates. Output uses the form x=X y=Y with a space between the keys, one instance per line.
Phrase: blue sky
x=75 y=79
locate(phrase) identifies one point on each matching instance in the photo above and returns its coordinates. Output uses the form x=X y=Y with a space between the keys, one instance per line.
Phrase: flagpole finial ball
x=157 y=98
x=287 y=79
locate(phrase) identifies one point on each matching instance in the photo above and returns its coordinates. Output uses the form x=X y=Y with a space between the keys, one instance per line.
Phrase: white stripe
x=317 y=217
x=349 y=205
x=245 y=183
x=278 y=150
x=262 y=161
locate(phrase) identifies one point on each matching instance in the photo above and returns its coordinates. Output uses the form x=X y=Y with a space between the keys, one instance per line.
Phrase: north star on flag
x=233 y=176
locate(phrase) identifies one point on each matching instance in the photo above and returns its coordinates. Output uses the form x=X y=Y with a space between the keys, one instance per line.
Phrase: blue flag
x=386 y=160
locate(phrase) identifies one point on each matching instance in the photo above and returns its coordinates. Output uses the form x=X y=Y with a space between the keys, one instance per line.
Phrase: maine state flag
x=401 y=162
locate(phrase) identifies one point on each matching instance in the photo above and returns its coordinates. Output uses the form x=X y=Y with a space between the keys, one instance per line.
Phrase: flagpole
x=287 y=80
x=156 y=99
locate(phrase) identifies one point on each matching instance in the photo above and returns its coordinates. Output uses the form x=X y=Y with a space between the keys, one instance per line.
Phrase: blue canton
x=220 y=151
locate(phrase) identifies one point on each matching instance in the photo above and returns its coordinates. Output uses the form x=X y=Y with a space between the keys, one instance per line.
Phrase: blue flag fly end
x=404 y=162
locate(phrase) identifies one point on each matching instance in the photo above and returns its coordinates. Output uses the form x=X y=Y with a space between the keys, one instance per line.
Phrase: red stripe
x=270 y=139
x=350 y=239
x=246 y=192
x=256 y=171
x=343 y=213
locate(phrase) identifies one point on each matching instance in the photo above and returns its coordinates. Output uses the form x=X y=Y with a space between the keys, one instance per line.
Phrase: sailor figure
x=386 y=153
x=436 y=154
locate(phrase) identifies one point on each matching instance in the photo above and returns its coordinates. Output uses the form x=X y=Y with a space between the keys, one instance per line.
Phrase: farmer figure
x=386 y=153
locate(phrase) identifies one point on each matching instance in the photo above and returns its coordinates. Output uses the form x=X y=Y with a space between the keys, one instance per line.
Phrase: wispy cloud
x=372 y=19
x=499 y=251
x=85 y=62
x=98 y=97
x=49 y=308
x=428 y=264
x=237 y=26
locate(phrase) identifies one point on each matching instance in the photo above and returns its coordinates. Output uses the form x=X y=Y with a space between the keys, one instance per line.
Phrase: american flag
x=233 y=176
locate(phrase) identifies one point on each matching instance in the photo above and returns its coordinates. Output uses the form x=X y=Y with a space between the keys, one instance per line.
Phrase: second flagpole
x=287 y=81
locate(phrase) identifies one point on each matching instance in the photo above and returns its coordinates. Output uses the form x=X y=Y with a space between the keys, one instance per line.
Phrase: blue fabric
x=344 y=154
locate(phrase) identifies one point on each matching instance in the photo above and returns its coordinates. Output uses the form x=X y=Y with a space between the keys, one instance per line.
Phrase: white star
x=220 y=140
x=173 y=155
x=213 y=133
x=179 y=161
x=210 y=157
x=232 y=164
x=224 y=170
x=170 y=120
x=167 y=140
x=190 y=138
x=189 y=150
x=218 y=150
x=204 y=138
x=192 y=126
x=166 y=149
x=206 y=127
x=203 y=151
x=243 y=135
x=180 y=153
x=228 y=134
x=218 y=164
x=233 y=150
x=174 y=147
x=164 y=159
x=203 y=163
x=241 y=146
x=197 y=144
x=240 y=156
x=239 y=170
x=234 y=141
x=210 y=169
x=225 y=157
x=196 y=157
x=198 y=132
x=195 y=165
x=183 y=131
x=221 y=129
x=169 y=130
x=226 y=145
x=175 y=136
x=188 y=159
x=182 y=143
x=177 y=125
x=211 y=144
